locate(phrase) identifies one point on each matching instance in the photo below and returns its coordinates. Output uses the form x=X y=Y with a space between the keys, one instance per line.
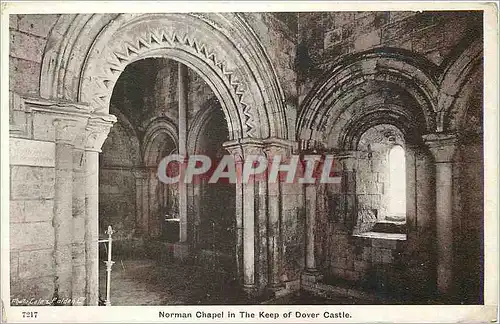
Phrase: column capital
x=97 y=131
x=240 y=148
x=275 y=146
x=442 y=146
x=67 y=129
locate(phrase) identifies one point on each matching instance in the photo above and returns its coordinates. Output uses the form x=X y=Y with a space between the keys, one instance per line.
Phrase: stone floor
x=307 y=298
x=149 y=282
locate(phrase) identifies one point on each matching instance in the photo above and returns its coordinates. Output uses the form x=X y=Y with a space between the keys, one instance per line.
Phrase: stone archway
x=155 y=128
x=363 y=91
x=456 y=84
x=85 y=66
x=359 y=75
x=213 y=234
x=86 y=53
x=160 y=139
x=199 y=122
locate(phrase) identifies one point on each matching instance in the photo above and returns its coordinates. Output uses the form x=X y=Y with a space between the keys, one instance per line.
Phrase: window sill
x=383 y=236
x=388 y=227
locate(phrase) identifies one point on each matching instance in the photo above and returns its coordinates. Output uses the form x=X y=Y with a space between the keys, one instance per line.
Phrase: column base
x=250 y=290
x=311 y=276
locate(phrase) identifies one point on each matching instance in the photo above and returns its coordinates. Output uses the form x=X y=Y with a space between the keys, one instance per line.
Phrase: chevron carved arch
x=219 y=47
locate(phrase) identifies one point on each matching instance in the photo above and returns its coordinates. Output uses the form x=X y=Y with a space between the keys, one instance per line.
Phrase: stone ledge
x=382 y=236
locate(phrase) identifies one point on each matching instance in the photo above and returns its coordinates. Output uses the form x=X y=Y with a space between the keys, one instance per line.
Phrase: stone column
x=79 y=272
x=349 y=160
x=239 y=217
x=153 y=222
x=262 y=266
x=196 y=198
x=249 y=236
x=442 y=147
x=241 y=150
x=96 y=131
x=183 y=108
x=66 y=130
x=310 y=207
x=283 y=149
x=146 y=196
x=311 y=273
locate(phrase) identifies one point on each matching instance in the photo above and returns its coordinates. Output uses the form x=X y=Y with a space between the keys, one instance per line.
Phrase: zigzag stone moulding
x=249 y=96
x=221 y=47
x=130 y=51
x=135 y=46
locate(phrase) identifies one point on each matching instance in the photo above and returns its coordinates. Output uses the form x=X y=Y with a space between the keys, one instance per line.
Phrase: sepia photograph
x=259 y=158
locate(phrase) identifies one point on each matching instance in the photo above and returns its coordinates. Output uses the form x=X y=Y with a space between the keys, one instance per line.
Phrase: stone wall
x=293 y=231
x=325 y=37
x=277 y=33
x=117 y=185
x=470 y=211
x=47 y=215
x=28 y=38
x=302 y=48
x=31 y=211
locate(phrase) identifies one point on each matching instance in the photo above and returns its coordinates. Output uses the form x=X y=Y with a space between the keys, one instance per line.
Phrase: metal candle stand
x=109 y=264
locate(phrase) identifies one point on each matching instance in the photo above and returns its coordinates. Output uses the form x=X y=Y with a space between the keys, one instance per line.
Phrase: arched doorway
x=85 y=66
x=120 y=156
x=366 y=106
x=146 y=214
x=215 y=231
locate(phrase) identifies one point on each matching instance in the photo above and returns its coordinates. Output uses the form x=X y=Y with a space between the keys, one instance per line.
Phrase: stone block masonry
x=351 y=84
x=31 y=212
x=28 y=38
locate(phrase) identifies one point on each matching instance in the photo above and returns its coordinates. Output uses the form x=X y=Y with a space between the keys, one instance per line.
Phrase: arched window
x=397 y=184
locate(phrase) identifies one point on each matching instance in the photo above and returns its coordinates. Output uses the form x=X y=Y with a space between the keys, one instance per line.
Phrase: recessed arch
x=200 y=121
x=160 y=132
x=412 y=74
x=241 y=76
x=455 y=81
x=351 y=133
x=134 y=144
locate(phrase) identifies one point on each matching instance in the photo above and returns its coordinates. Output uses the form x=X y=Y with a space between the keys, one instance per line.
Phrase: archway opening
x=216 y=201
x=397 y=184
x=148 y=99
x=381 y=181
